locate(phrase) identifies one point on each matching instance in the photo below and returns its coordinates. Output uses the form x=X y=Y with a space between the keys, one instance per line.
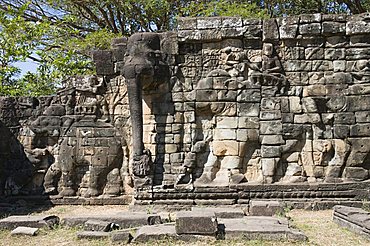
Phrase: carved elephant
x=88 y=153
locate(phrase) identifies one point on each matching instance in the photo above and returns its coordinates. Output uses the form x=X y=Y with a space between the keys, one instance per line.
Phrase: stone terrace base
x=56 y=200
x=309 y=196
x=312 y=196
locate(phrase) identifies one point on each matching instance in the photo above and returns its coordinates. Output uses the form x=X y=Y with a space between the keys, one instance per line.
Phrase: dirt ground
x=317 y=225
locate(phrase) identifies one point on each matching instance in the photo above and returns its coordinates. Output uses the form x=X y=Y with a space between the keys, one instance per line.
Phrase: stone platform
x=300 y=195
x=355 y=219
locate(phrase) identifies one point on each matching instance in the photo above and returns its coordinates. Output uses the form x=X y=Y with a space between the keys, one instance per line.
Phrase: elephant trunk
x=135 y=74
x=136 y=112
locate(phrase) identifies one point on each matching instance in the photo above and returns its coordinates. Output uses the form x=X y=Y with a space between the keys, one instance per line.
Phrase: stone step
x=196 y=222
x=164 y=231
x=123 y=220
x=37 y=221
x=265 y=208
x=355 y=219
x=260 y=227
x=222 y=212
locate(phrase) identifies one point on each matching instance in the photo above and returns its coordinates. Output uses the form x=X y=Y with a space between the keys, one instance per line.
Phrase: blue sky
x=27 y=66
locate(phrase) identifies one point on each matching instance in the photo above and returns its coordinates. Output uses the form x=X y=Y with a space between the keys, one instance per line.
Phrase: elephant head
x=141 y=69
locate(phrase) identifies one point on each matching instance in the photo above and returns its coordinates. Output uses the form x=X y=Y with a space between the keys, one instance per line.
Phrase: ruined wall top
x=294 y=27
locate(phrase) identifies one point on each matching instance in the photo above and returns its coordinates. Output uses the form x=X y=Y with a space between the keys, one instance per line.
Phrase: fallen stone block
x=123 y=220
x=222 y=212
x=265 y=208
x=355 y=219
x=194 y=222
x=164 y=231
x=92 y=234
x=124 y=236
x=22 y=230
x=37 y=221
x=260 y=227
x=98 y=225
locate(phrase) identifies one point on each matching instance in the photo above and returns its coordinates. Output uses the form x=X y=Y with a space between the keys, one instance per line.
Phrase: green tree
x=278 y=8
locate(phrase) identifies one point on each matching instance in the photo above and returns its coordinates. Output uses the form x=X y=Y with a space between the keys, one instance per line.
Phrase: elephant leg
x=67 y=185
x=51 y=178
x=92 y=189
x=67 y=178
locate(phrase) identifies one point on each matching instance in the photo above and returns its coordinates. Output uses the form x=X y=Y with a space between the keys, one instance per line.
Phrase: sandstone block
x=270 y=115
x=121 y=236
x=222 y=134
x=227 y=213
x=268 y=166
x=226 y=147
x=12 y=222
x=264 y=208
x=22 y=230
x=308 y=29
x=272 y=139
x=97 y=225
x=330 y=28
x=271 y=127
x=192 y=222
x=92 y=234
x=248 y=122
x=270 y=30
x=270 y=151
x=249 y=109
x=357 y=173
x=227 y=122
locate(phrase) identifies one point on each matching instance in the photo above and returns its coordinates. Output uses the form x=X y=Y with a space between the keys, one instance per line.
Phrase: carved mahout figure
x=89 y=149
x=142 y=69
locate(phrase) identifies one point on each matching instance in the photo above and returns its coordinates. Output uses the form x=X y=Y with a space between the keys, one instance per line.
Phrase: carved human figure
x=272 y=71
x=91 y=98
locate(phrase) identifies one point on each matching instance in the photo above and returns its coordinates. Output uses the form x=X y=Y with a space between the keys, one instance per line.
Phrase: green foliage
x=18 y=38
x=278 y=8
x=243 y=9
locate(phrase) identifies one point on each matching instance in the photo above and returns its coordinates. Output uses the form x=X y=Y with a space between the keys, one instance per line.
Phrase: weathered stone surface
x=124 y=219
x=97 y=225
x=255 y=227
x=265 y=208
x=355 y=219
x=22 y=230
x=160 y=232
x=92 y=234
x=226 y=147
x=12 y=222
x=123 y=236
x=196 y=222
x=228 y=213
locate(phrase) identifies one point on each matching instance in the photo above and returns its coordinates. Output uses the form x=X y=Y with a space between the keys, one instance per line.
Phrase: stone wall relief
x=90 y=152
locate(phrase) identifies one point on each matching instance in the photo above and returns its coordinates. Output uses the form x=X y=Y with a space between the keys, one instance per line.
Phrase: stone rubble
x=198 y=224
x=36 y=221
x=355 y=219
